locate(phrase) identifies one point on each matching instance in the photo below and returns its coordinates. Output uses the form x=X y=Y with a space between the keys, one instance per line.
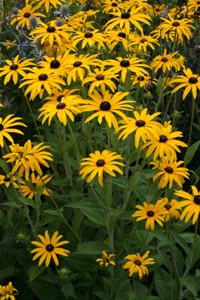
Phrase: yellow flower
x=170 y=172
x=106 y=259
x=48 y=3
x=89 y=38
x=143 y=81
x=189 y=81
x=7 y=291
x=144 y=41
x=152 y=213
x=138 y=263
x=8 y=180
x=100 y=162
x=15 y=68
x=191 y=203
x=28 y=158
x=171 y=207
x=6 y=127
x=107 y=106
x=142 y=124
x=110 y=6
x=165 y=62
x=49 y=248
x=158 y=9
x=118 y=38
x=40 y=80
x=164 y=142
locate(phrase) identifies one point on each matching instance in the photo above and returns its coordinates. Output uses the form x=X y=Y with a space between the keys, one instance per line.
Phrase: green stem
x=191 y=122
x=74 y=143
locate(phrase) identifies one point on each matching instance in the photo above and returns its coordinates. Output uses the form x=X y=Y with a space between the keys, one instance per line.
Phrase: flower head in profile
x=48 y=248
x=14 y=68
x=152 y=213
x=28 y=158
x=191 y=204
x=164 y=142
x=99 y=163
x=142 y=124
x=137 y=264
x=106 y=259
x=107 y=106
x=189 y=81
x=6 y=127
x=8 y=292
x=169 y=171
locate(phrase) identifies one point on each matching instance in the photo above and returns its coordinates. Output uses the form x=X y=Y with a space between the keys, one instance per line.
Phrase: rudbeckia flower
x=49 y=3
x=99 y=163
x=6 y=127
x=106 y=259
x=165 y=62
x=143 y=81
x=89 y=38
x=138 y=264
x=8 y=180
x=158 y=9
x=171 y=207
x=142 y=124
x=15 y=68
x=152 y=213
x=48 y=248
x=110 y=6
x=107 y=106
x=56 y=64
x=189 y=81
x=170 y=171
x=28 y=158
x=118 y=38
x=144 y=41
x=8 y=291
x=191 y=202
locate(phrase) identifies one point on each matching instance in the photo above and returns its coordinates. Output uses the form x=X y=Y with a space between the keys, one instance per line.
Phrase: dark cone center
x=164 y=59
x=167 y=206
x=169 y=170
x=100 y=163
x=140 y=78
x=105 y=105
x=137 y=262
x=125 y=15
x=193 y=80
x=1 y=127
x=88 y=35
x=140 y=123
x=43 y=77
x=77 y=64
x=114 y=4
x=163 y=138
x=197 y=199
x=6 y=179
x=55 y=64
x=27 y=15
x=51 y=29
x=99 y=77
x=125 y=63
x=59 y=98
x=176 y=24
x=122 y=35
x=13 y=67
x=49 y=247
x=150 y=213
x=143 y=40
x=61 y=105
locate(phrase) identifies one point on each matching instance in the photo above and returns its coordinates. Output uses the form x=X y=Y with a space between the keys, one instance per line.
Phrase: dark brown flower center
x=43 y=77
x=13 y=67
x=59 y=98
x=77 y=63
x=20 y=154
x=150 y=213
x=114 y=4
x=193 y=80
x=99 y=77
x=61 y=105
x=51 y=29
x=122 y=35
x=140 y=123
x=100 y=163
x=125 y=15
x=137 y=262
x=176 y=24
x=6 y=179
x=27 y=15
x=49 y=247
x=105 y=105
x=169 y=170
x=143 y=40
x=140 y=78
x=125 y=63
x=197 y=199
x=163 y=138
x=88 y=35
x=164 y=59
x=167 y=206
x=1 y=127
x=55 y=64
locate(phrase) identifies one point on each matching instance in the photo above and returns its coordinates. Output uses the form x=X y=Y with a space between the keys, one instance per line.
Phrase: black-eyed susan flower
x=58 y=95
x=14 y=68
x=8 y=179
x=50 y=33
x=142 y=124
x=29 y=188
x=6 y=128
x=49 y=248
x=144 y=42
x=66 y=108
x=165 y=62
x=143 y=81
x=138 y=264
x=99 y=163
x=157 y=9
x=106 y=259
x=40 y=80
x=8 y=292
x=118 y=38
x=164 y=142
x=110 y=6
x=189 y=81
x=28 y=158
x=49 y=3
x=128 y=18
x=125 y=65
x=169 y=171
x=22 y=18
x=107 y=106
x=191 y=202
x=56 y=64
x=152 y=213
x=171 y=207
x=89 y=38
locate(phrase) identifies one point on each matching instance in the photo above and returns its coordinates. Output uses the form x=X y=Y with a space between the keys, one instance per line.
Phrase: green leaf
x=34 y=271
x=196 y=253
x=4 y=166
x=7 y=272
x=102 y=295
x=191 y=152
x=90 y=248
x=53 y=212
x=190 y=283
x=159 y=86
x=165 y=259
x=68 y=291
x=11 y=204
x=27 y=201
x=165 y=285
x=181 y=242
